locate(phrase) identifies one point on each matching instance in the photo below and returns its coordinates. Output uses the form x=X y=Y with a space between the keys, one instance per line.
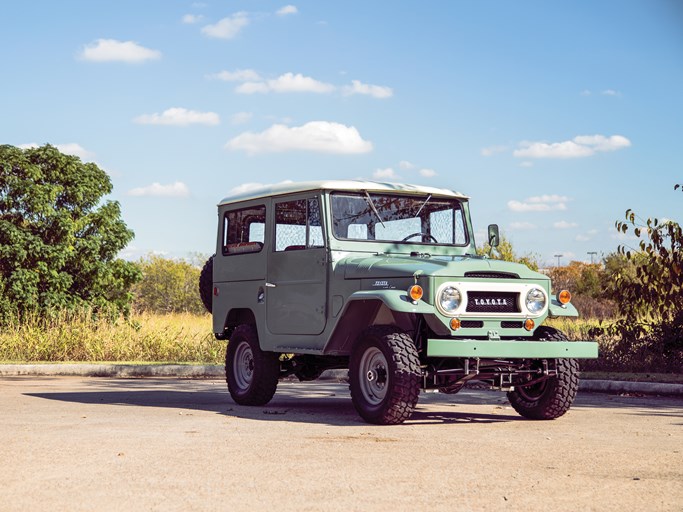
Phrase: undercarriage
x=450 y=376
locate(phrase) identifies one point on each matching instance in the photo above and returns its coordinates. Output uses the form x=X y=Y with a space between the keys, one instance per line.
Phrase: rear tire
x=384 y=375
x=551 y=398
x=251 y=373
x=206 y=284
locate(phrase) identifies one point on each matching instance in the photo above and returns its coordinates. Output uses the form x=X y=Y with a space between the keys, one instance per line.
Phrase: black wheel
x=251 y=373
x=206 y=284
x=423 y=235
x=552 y=397
x=384 y=375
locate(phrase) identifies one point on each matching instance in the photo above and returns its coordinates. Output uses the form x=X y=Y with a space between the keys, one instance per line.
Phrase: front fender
x=395 y=300
x=557 y=309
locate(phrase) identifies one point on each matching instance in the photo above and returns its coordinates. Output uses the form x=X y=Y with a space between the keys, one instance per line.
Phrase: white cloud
x=317 y=136
x=602 y=143
x=578 y=147
x=241 y=117
x=586 y=92
x=492 y=150
x=522 y=226
x=384 y=173
x=71 y=148
x=543 y=203
x=178 y=116
x=563 y=224
x=376 y=91
x=526 y=164
x=548 y=198
x=610 y=92
x=190 y=19
x=227 y=28
x=406 y=165
x=177 y=189
x=252 y=186
x=239 y=75
x=289 y=82
x=427 y=173
x=111 y=50
x=582 y=238
x=287 y=9
x=252 y=87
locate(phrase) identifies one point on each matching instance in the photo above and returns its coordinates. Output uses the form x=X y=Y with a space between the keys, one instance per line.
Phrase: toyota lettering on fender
x=385 y=280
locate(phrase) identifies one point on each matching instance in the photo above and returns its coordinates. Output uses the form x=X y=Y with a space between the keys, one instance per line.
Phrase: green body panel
x=512 y=349
x=395 y=300
x=557 y=309
x=400 y=265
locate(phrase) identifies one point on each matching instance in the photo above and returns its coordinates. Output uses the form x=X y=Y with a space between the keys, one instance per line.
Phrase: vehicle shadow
x=314 y=403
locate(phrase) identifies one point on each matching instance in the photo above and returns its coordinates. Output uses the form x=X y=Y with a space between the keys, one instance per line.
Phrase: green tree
x=58 y=240
x=167 y=286
x=506 y=252
x=650 y=288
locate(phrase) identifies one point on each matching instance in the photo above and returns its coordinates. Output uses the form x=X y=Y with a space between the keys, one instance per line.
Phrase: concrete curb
x=620 y=386
x=217 y=371
x=113 y=370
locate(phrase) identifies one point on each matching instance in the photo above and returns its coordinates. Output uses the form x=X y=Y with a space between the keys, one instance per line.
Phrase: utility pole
x=558 y=256
x=592 y=253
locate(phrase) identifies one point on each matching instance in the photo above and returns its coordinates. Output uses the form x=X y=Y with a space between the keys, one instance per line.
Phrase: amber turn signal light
x=455 y=324
x=415 y=292
x=564 y=297
x=529 y=324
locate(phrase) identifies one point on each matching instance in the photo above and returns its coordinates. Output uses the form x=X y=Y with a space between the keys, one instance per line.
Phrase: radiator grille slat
x=492 y=275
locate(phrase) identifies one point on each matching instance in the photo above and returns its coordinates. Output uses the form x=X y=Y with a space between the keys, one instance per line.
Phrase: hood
x=392 y=266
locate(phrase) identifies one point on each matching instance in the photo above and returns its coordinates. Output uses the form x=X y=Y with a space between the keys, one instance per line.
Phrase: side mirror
x=494 y=235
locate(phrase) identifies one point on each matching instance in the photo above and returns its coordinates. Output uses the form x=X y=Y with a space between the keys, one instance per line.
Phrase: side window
x=298 y=225
x=244 y=230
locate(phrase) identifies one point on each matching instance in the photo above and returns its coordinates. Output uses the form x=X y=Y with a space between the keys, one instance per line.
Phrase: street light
x=592 y=253
x=558 y=256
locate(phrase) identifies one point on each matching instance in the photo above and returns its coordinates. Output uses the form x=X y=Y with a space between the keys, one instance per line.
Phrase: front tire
x=251 y=373
x=384 y=376
x=550 y=398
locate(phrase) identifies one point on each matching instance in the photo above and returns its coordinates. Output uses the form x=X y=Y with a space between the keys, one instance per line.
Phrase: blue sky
x=554 y=117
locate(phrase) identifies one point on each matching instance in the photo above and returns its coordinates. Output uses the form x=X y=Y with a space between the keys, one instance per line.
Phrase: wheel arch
x=235 y=317
x=361 y=312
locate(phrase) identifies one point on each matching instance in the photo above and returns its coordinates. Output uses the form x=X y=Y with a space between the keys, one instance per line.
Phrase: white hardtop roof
x=344 y=185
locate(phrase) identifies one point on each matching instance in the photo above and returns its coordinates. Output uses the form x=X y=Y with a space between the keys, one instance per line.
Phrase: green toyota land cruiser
x=382 y=279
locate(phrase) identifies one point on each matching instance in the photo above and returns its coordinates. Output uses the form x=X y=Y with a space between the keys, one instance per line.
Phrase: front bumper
x=497 y=349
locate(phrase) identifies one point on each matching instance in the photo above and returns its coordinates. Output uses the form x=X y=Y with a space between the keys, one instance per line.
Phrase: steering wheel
x=423 y=235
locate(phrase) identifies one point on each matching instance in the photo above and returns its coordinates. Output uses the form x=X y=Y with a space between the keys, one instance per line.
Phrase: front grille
x=492 y=302
x=511 y=325
x=471 y=324
x=492 y=275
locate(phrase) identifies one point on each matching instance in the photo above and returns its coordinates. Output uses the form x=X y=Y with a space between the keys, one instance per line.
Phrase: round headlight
x=449 y=299
x=535 y=300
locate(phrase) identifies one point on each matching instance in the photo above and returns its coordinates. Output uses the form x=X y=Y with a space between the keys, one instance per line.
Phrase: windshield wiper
x=374 y=209
x=423 y=205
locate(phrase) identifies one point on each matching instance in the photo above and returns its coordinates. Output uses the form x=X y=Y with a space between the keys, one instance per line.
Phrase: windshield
x=396 y=218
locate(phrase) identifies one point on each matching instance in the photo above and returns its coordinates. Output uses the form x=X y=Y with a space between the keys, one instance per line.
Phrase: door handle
x=270 y=285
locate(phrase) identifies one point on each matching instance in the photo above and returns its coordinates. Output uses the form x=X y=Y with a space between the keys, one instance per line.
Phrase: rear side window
x=244 y=230
x=297 y=225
